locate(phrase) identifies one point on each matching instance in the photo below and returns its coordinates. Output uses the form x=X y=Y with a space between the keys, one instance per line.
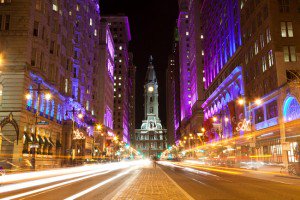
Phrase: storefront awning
x=41 y=140
x=27 y=138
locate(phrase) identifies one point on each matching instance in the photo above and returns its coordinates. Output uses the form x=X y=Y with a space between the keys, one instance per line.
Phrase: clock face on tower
x=150 y=89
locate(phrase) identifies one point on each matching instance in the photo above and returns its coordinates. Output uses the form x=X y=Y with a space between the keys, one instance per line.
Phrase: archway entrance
x=9 y=133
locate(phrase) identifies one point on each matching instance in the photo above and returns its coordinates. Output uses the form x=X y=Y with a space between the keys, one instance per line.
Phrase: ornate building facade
x=51 y=47
x=151 y=139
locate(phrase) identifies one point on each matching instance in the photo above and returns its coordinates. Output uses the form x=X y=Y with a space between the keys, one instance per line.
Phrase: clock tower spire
x=151 y=92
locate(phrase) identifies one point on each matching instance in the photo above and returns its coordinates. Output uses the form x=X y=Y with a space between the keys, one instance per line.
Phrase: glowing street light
x=203 y=130
x=241 y=101
x=80 y=115
x=214 y=119
x=226 y=119
x=99 y=127
x=48 y=96
x=28 y=96
x=258 y=102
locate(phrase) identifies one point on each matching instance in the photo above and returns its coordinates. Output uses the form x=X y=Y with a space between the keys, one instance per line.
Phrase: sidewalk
x=153 y=184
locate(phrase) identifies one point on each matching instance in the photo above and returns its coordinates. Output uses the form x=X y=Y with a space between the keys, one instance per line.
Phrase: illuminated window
x=256 y=48
x=264 y=64
x=202 y=53
x=91 y=22
x=201 y=36
x=95 y=32
x=187 y=33
x=186 y=16
x=93 y=112
x=120 y=61
x=268 y=34
x=120 y=47
x=54 y=5
x=289 y=53
x=77 y=7
x=271 y=58
x=287 y=29
x=87 y=105
x=66 y=85
x=120 y=78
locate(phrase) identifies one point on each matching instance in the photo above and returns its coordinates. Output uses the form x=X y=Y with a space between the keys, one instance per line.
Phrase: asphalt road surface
x=213 y=185
x=102 y=184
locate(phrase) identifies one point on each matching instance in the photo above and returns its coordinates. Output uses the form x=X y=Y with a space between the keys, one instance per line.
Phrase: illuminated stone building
x=54 y=46
x=119 y=27
x=151 y=139
x=191 y=66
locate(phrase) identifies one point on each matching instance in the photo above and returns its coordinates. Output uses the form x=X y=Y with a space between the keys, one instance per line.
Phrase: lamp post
x=98 y=130
x=28 y=96
x=243 y=101
x=80 y=116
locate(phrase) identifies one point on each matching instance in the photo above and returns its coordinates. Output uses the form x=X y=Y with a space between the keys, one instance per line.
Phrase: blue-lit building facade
x=251 y=56
x=55 y=46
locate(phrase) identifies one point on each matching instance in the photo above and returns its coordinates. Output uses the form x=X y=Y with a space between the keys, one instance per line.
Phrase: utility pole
x=35 y=144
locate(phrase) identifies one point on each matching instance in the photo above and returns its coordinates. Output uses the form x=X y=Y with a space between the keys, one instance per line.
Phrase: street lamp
x=28 y=96
x=80 y=116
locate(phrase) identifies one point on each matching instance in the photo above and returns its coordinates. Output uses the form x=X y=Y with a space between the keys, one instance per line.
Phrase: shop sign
x=244 y=125
x=78 y=135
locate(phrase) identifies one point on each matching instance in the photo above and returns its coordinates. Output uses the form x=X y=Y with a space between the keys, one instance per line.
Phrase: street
x=141 y=180
x=225 y=184
x=91 y=182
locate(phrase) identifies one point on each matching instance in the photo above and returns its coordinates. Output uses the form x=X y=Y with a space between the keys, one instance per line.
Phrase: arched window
x=52 y=109
x=29 y=101
x=42 y=104
x=291 y=109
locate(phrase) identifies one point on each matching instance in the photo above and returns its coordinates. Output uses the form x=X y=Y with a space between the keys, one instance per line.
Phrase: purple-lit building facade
x=104 y=82
x=251 y=53
x=55 y=45
x=119 y=27
x=221 y=47
x=191 y=66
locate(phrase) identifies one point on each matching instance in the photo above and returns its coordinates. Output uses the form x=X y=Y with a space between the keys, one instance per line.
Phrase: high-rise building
x=191 y=66
x=48 y=47
x=151 y=139
x=251 y=59
x=104 y=88
x=173 y=94
x=119 y=26
x=132 y=74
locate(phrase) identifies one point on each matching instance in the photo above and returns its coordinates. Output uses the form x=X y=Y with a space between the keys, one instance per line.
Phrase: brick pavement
x=152 y=183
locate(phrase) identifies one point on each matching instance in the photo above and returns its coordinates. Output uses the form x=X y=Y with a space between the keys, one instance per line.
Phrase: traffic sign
x=42 y=123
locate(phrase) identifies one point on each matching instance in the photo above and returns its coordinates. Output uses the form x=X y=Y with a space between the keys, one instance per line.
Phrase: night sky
x=152 y=24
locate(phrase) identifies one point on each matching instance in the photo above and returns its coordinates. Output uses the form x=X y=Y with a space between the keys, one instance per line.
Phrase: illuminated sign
x=244 y=125
x=78 y=135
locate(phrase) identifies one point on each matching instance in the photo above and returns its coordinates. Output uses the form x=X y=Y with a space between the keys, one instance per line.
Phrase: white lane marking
x=84 y=192
x=53 y=186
